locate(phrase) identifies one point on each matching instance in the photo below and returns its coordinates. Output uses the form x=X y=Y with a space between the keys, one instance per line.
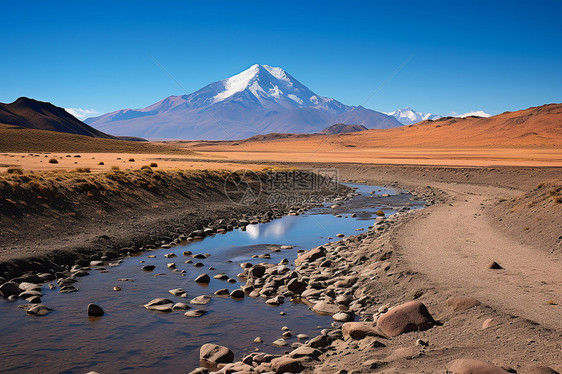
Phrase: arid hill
x=339 y=128
x=32 y=114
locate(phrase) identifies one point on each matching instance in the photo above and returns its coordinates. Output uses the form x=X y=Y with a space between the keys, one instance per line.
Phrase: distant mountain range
x=408 y=116
x=259 y=100
x=32 y=114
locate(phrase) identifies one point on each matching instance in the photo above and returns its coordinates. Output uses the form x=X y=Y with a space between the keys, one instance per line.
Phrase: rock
x=9 y=288
x=237 y=294
x=311 y=255
x=216 y=354
x=178 y=292
x=257 y=271
x=180 y=306
x=201 y=300
x=286 y=365
x=170 y=255
x=280 y=343
x=33 y=299
x=422 y=343
x=221 y=276
x=116 y=288
x=471 y=366
x=344 y=299
x=286 y=247
x=490 y=322
x=343 y=316
x=171 y=265
x=200 y=370
x=96 y=263
x=95 y=310
x=494 y=265
x=411 y=316
x=340 y=235
x=203 y=278
x=258 y=340
x=296 y=285
x=325 y=307
x=30 y=293
x=148 y=267
x=305 y=351
x=302 y=336
x=236 y=368
x=26 y=286
x=199 y=256
x=198 y=264
x=36 y=309
x=68 y=289
x=195 y=313
x=358 y=330
x=160 y=304
x=319 y=341
x=458 y=303
x=223 y=291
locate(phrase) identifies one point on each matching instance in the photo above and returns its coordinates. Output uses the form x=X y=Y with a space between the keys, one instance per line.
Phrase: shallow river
x=129 y=338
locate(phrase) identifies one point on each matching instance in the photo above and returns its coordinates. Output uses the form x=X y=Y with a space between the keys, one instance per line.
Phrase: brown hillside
x=39 y=115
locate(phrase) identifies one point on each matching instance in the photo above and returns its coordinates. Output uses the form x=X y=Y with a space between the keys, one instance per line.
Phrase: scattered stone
x=257 y=271
x=95 y=310
x=96 y=263
x=458 y=303
x=471 y=366
x=203 y=278
x=541 y=370
x=9 y=288
x=201 y=300
x=171 y=265
x=195 y=313
x=358 y=330
x=33 y=299
x=305 y=351
x=311 y=256
x=148 y=267
x=319 y=341
x=490 y=322
x=36 y=309
x=325 y=307
x=302 y=336
x=180 y=306
x=160 y=304
x=223 y=291
x=178 y=292
x=216 y=354
x=340 y=235
x=170 y=255
x=258 y=340
x=68 y=289
x=286 y=365
x=221 y=276
x=343 y=316
x=237 y=294
x=280 y=343
x=411 y=316
x=494 y=265
x=422 y=343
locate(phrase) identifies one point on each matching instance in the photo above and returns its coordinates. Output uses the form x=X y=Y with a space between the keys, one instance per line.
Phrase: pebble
x=95 y=310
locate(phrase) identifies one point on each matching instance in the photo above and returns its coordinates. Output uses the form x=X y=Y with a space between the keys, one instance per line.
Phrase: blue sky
x=461 y=56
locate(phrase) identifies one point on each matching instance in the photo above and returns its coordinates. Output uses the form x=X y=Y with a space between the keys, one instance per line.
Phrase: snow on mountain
x=408 y=116
x=259 y=100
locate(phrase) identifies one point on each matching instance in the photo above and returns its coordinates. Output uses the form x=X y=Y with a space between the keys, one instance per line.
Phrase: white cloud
x=81 y=113
x=478 y=113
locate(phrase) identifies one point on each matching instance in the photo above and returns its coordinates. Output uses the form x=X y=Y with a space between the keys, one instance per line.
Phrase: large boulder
x=471 y=366
x=311 y=255
x=325 y=307
x=358 y=330
x=411 y=316
x=257 y=271
x=217 y=354
x=286 y=365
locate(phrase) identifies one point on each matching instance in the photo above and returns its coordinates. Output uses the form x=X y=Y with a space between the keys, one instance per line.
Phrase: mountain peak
x=408 y=116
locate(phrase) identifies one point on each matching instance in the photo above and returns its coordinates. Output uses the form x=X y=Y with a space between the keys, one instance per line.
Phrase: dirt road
x=453 y=244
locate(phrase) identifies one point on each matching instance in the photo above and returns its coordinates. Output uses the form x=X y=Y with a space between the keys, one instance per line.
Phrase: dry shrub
x=115 y=168
x=379 y=213
x=18 y=171
x=153 y=165
x=131 y=160
x=83 y=170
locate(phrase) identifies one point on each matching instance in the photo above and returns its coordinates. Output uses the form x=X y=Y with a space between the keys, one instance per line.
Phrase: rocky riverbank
x=387 y=318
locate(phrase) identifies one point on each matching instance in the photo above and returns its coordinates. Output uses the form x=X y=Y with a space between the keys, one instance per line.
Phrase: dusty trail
x=452 y=244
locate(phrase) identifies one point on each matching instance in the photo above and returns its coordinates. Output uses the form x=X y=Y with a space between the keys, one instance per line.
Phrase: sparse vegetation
x=15 y=171
x=380 y=213
x=131 y=160
x=53 y=161
x=83 y=170
x=146 y=167
x=115 y=168
x=153 y=165
x=101 y=163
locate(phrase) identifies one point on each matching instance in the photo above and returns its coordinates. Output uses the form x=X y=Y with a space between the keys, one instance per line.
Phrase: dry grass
x=19 y=140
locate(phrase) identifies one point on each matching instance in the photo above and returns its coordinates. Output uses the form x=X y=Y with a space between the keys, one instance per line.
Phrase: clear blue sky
x=472 y=55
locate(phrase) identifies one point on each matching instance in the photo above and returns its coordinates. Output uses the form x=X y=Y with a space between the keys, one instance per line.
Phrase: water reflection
x=274 y=230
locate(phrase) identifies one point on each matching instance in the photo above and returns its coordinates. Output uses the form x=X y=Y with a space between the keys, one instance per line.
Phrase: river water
x=131 y=339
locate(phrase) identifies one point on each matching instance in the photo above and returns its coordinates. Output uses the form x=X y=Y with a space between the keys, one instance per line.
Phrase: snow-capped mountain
x=408 y=116
x=259 y=100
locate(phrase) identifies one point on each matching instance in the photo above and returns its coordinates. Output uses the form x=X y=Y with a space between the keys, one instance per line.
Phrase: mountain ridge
x=40 y=115
x=261 y=99
x=408 y=116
